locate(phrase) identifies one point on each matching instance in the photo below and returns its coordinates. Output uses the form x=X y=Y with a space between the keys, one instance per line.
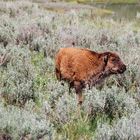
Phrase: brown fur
x=81 y=67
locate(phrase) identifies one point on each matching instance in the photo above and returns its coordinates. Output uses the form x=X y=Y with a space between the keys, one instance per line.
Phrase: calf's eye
x=113 y=60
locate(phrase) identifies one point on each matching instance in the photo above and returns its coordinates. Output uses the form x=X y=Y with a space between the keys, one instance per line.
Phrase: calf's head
x=114 y=64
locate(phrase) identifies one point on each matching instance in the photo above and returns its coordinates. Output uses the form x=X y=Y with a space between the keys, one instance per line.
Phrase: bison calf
x=82 y=67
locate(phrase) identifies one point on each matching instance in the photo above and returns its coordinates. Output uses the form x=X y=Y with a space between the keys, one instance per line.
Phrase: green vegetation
x=106 y=1
x=34 y=105
x=116 y=1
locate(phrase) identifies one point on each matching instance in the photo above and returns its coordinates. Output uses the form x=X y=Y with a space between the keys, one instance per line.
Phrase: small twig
x=4 y=59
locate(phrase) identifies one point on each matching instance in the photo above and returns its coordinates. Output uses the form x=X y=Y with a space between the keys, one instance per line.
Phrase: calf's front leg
x=78 y=89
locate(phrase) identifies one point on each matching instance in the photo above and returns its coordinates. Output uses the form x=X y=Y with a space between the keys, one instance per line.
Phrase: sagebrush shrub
x=18 y=77
x=19 y=123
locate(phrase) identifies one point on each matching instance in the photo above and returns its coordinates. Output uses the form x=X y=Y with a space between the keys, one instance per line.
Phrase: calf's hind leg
x=58 y=74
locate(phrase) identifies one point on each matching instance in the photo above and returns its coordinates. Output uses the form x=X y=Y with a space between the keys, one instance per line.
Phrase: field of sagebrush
x=34 y=105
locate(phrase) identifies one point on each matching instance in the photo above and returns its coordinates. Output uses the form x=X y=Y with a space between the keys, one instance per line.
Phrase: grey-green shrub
x=19 y=123
x=18 y=77
x=125 y=128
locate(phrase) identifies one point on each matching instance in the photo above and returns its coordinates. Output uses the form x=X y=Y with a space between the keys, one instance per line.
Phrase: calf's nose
x=123 y=69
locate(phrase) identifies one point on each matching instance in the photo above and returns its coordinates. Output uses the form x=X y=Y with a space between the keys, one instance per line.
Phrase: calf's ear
x=106 y=57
